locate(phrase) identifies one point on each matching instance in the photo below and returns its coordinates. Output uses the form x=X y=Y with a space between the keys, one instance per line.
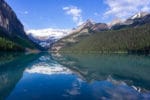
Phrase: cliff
x=12 y=34
x=9 y=21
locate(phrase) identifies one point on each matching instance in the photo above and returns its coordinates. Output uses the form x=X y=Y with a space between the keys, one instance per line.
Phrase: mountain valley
x=119 y=35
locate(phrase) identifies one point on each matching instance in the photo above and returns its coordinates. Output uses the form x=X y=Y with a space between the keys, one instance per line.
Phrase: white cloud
x=126 y=8
x=75 y=12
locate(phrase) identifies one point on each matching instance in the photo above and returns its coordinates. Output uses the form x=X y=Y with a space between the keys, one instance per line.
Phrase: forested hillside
x=124 y=40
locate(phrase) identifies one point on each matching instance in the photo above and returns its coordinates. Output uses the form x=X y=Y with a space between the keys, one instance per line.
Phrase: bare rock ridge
x=91 y=26
x=82 y=31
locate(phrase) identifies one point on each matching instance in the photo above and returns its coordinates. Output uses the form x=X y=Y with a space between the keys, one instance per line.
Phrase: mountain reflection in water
x=76 y=77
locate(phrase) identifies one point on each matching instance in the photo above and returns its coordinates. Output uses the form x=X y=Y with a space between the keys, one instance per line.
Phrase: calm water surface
x=47 y=76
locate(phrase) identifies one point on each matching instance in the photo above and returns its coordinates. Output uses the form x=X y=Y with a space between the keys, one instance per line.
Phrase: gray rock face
x=92 y=26
x=100 y=27
x=9 y=21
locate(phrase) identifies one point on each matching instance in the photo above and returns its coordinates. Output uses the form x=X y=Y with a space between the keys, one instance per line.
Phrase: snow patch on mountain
x=139 y=15
x=57 y=33
x=45 y=37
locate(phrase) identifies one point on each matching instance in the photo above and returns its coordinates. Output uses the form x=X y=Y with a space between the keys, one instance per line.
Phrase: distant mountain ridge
x=87 y=28
x=91 y=26
x=76 y=35
x=91 y=29
x=139 y=15
x=46 y=37
x=136 y=20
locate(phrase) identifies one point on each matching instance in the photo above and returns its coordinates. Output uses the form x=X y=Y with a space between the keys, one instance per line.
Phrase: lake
x=46 y=76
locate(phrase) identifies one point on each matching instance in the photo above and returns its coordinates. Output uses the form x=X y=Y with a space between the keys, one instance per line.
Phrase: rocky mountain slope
x=12 y=34
x=81 y=32
x=9 y=21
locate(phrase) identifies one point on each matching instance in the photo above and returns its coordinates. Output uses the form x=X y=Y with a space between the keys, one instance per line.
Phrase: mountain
x=136 y=20
x=115 y=22
x=81 y=32
x=46 y=37
x=12 y=34
x=125 y=40
x=9 y=21
x=89 y=25
x=84 y=27
x=139 y=15
x=131 y=35
x=98 y=27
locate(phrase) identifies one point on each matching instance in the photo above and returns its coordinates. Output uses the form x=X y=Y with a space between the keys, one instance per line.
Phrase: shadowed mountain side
x=12 y=34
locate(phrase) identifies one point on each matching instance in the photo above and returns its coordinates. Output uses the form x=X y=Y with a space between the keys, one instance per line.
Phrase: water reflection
x=131 y=70
x=76 y=77
x=11 y=71
x=44 y=66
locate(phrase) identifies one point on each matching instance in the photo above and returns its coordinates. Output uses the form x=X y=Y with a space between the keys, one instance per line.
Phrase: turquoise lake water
x=46 y=76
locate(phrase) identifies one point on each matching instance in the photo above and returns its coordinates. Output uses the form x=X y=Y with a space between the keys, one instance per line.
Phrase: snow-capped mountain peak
x=58 y=33
x=139 y=15
x=45 y=37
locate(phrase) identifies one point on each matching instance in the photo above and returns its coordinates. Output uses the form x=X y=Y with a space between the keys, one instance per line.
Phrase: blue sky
x=64 y=14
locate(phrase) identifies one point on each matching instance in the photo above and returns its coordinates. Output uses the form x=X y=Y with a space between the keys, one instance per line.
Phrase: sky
x=67 y=14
